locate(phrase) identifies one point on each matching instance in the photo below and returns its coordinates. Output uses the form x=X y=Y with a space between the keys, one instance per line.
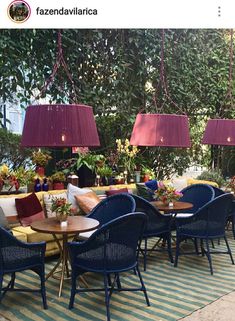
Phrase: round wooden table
x=76 y=225
x=177 y=206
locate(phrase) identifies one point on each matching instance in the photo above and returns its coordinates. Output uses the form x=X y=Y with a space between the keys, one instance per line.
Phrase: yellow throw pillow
x=87 y=201
x=191 y=181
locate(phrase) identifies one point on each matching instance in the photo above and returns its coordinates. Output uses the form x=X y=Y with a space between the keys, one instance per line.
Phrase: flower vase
x=62 y=217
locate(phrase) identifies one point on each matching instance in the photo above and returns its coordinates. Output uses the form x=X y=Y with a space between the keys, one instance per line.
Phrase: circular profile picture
x=19 y=11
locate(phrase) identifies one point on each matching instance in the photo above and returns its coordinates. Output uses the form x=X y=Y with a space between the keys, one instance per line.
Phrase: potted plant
x=58 y=179
x=87 y=165
x=40 y=159
x=105 y=172
x=148 y=174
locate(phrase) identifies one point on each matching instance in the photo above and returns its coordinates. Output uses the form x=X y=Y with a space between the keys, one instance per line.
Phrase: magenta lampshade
x=59 y=126
x=161 y=130
x=220 y=132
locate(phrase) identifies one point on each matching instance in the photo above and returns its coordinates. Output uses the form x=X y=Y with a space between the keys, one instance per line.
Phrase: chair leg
x=143 y=286
x=1 y=281
x=43 y=289
x=73 y=290
x=233 y=226
x=208 y=254
x=145 y=253
x=202 y=247
x=106 y=296
x=196 y=246
x=177 y=251
x=169 y=248
x=13 y=277
x=229 y=251
x=118 y=281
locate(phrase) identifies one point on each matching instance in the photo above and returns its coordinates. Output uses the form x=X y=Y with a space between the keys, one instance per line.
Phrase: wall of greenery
x=118 y=73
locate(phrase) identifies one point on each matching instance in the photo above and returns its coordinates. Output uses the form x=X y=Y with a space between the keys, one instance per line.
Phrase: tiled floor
x=222 y=309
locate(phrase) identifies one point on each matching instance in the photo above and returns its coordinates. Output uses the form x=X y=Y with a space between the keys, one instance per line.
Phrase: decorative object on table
x=62 y=208
x=37 y=185
x=58 y=179
x=45 y=186
x=40 y=159
x=167 y=194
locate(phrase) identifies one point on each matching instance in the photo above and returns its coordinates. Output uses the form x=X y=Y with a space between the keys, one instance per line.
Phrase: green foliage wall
x=118 y=73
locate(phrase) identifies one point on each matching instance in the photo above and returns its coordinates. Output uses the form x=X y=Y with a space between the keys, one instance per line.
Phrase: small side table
x=177 y=206
x=76 y=225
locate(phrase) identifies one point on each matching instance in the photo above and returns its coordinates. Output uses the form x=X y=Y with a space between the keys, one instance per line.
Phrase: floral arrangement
x=167 y=193
x=62 y=208
x=231 y=184
x=40 y=158
x=126 y=154
x=8 y=178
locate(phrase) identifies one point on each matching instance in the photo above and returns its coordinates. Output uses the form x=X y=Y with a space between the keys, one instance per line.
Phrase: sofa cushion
x=73 y=191
x=116 y=191
x=8 y=206
x=29 y=209
x=20 y=236
x=33 y=236
x=191 y=181
x=87 y=201
x=48 y=202
x=3 y=220
x=152 y=184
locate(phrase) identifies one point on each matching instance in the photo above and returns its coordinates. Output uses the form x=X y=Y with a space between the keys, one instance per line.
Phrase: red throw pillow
x=116 y=191
x=29 y=209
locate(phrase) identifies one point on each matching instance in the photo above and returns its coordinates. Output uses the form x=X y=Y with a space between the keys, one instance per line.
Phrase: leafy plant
x=40 y=158
x=58 y=177
x=104 y=171
x=92 y=161
x=213 y=176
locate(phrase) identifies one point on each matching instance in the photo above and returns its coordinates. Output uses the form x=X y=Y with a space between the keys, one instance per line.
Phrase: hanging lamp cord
x=162 y=83
x=229 y=94
x=60 y=61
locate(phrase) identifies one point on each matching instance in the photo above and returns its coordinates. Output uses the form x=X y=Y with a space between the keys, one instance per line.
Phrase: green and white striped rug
x=173 y=292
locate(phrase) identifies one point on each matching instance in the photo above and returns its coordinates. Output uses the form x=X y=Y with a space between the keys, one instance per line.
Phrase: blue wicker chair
x=113 y=207
x=17 y=256
x=109 y=209
x=110 y=250
x=158 y=225
x=231 y=215
x=206 y=224
x=198 y=195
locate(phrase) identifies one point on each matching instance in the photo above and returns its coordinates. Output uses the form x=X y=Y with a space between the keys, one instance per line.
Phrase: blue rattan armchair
x=198 y=195
x=206 y=224
x=112 y=249
x=231 y=214
x=158 y=225
x=113 y=207
x=110 y=208
x=17 y=256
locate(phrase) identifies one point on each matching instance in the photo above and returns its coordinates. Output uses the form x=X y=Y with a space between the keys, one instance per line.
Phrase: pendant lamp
x=220 y=132
x=165 y=130
x=59 y=126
